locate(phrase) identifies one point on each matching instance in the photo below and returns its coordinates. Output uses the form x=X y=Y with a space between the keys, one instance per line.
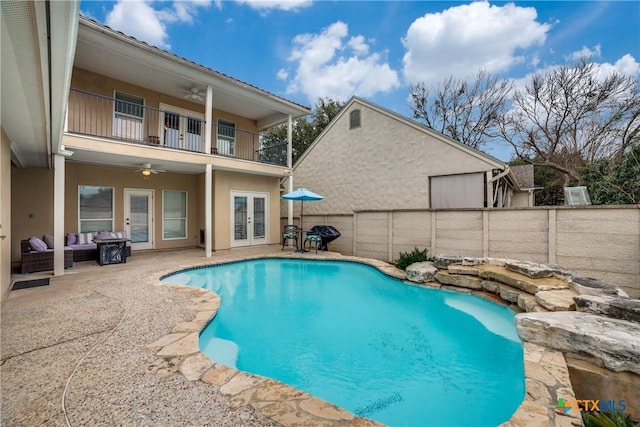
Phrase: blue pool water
x=344 y=332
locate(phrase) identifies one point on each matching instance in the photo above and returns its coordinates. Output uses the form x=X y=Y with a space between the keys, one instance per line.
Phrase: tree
x=305 y=130
x=467 y=112
x=614 y=184
x=571 y=116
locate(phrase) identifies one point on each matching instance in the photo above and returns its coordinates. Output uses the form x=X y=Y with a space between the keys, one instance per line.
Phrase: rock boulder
x=421 y=272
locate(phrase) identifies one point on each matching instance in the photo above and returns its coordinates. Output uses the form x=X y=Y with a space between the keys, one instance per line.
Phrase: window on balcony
x=174 y=215
x=95 y=208
x=226 y=140
x=128 y=116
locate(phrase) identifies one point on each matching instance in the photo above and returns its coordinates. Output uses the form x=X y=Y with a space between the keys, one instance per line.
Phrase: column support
x=208 y=117
x=58 y=214
x=208 y=187
x=290 y=167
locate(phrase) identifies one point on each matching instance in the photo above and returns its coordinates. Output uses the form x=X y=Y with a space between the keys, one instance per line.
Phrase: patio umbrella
x=302 y=194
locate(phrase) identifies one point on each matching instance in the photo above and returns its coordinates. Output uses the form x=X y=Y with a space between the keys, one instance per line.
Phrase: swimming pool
x=346 y=333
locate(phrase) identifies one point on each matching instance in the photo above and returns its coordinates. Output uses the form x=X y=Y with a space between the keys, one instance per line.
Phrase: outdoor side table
x=111 y=251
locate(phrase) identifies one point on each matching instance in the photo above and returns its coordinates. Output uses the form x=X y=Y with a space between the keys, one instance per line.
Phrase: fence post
x=553 y=235
x=485 y=233
x=390 y=238
x=355 y=232
x=434 y=231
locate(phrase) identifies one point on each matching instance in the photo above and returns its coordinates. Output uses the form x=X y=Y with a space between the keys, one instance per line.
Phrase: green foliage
x=607 y=419
x=614 y=184
x=305 y=130
x=405 y=259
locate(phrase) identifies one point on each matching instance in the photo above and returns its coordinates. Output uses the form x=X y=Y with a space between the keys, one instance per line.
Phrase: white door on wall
x=138 y=218
x=181 y=128
x=249 y=218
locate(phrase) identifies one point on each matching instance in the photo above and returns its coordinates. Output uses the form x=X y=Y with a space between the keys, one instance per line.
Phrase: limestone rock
x=471 y=261
x=195 y=366
x=444 y=261
x=591 y=382
x=460 y=280
x=182 y=347
x=490 y=286
x=463 y=269
x=591 y=286
x=530 y=269
x=510 y=294
x=420 y=272
x=612 y=343
x=527 y=302
x=520 y=281
x=610 y=306
x=560 y=300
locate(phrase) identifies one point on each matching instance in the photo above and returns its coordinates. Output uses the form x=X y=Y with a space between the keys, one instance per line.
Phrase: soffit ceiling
x=104 y=51
x=24 y=97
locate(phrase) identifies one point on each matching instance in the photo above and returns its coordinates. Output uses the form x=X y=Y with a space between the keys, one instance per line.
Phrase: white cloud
x=142 y=21
x=627 y=66
x=463 y=39
x=330 y=64
x=585 y=52
x=287 y=5
x=282 y=74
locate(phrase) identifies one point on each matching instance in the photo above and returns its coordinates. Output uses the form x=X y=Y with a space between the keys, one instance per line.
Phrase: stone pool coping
x=546 y=372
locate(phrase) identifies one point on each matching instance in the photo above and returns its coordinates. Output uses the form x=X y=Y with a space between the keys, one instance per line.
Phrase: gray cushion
x=103 y=235
x=72 y=239
x=48 y=239
x=37 y=244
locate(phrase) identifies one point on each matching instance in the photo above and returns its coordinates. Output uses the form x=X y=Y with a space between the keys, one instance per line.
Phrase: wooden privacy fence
x=595 y=241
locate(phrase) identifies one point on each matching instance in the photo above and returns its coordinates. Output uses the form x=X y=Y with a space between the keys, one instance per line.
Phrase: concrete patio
x=52 y=374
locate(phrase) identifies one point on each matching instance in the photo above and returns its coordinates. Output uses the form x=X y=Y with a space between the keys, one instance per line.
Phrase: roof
x=414 y=124
x=524 y=175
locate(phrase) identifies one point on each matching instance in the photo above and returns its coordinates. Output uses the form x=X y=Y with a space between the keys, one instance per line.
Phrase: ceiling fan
x=194 y=94
x=147 y=170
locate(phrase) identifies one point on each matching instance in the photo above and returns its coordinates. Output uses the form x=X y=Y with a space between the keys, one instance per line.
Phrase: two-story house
x=106 y=132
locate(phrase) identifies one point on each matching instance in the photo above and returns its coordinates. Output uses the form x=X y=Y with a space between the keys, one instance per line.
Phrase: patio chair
x=313 y=239
x=290 y=232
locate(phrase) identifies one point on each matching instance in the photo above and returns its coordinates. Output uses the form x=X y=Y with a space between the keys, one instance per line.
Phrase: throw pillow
x=37 y=244
x=85 y=238
x=48 y=239
x=72 y=239
x=103 y=235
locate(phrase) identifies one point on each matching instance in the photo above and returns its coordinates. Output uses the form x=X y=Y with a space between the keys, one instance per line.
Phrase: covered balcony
x=126 y=118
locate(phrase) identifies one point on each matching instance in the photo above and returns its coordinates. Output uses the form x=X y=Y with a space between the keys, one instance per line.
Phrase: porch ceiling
x=107 y=52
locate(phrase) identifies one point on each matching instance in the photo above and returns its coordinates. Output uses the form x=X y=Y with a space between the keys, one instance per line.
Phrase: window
x=354 y=119
x=129 y=105
x=95 y=206
x=128 y=116
x=174 y=215
x=226 y=137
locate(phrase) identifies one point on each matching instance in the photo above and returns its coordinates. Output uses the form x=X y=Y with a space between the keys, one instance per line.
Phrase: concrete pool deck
x=110 y=346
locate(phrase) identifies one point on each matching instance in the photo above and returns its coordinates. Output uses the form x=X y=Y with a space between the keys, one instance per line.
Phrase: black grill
x=327 y=234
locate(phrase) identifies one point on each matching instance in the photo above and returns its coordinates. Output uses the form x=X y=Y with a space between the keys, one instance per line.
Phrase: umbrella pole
x=301 y=236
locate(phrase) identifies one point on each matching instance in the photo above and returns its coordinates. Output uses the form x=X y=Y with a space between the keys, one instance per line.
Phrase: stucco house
x=101 y=131
x=371 y=158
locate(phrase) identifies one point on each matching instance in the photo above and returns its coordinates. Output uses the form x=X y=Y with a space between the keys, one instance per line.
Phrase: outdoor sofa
x=40 y=258
x=84 y=249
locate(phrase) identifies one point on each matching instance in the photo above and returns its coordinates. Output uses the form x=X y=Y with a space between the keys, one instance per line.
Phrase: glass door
x=181 y=128
x=249 y=219
x=139 y=218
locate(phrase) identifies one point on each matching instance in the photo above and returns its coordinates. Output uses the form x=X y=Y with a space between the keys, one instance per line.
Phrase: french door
x=138 y=218
x=181 y=128
x=249 y=218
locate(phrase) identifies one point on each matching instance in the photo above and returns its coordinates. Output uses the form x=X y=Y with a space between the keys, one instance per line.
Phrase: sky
x=303 y=50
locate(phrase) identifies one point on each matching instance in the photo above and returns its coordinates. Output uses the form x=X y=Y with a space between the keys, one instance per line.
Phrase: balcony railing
x=126 y=120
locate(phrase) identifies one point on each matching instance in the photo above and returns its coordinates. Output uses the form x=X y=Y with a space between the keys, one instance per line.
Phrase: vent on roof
x=576 y=196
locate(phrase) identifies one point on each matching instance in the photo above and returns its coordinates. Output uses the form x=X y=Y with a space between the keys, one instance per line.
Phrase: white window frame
x=186 y=212
x=117 y=115
x=231 y=140
x=113 y=206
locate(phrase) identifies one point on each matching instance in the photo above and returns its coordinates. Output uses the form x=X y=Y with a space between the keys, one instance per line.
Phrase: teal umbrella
x=302 y=194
